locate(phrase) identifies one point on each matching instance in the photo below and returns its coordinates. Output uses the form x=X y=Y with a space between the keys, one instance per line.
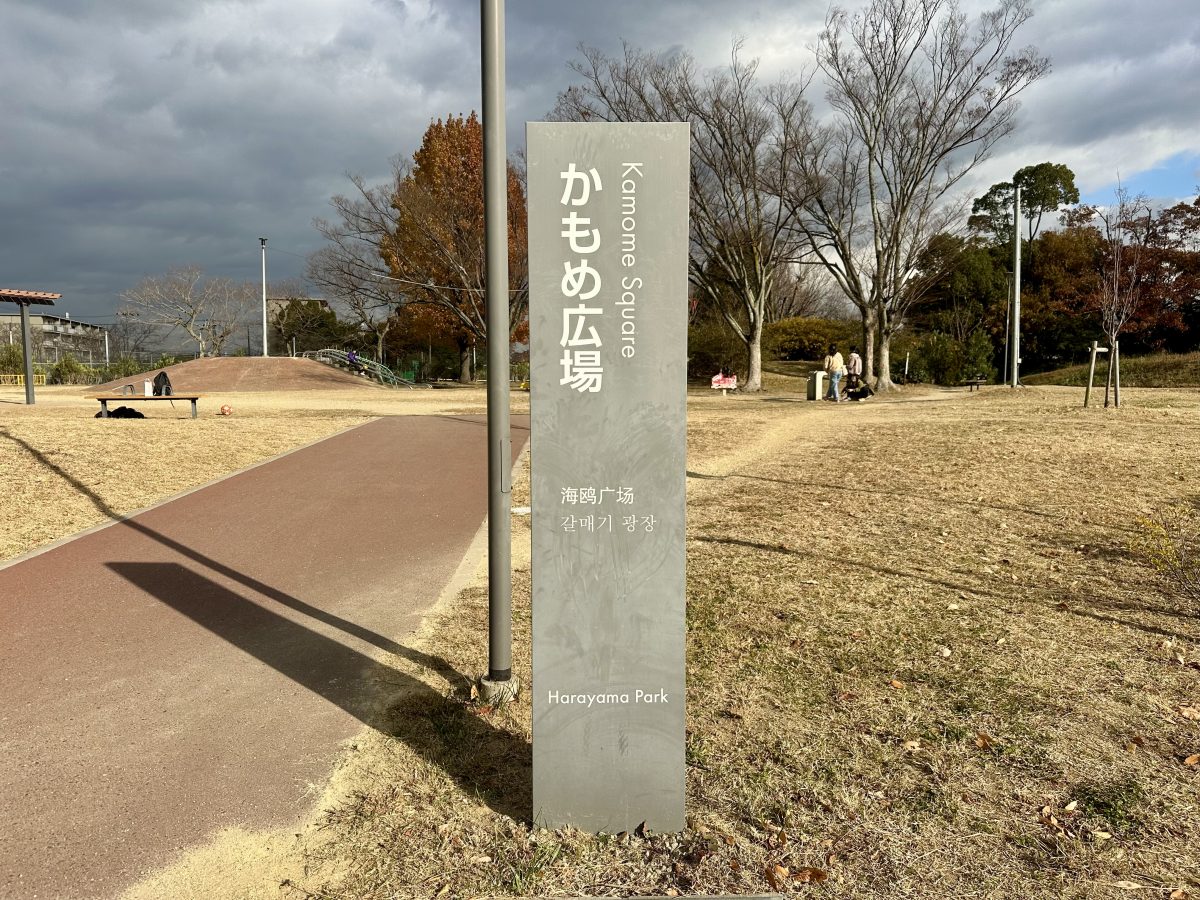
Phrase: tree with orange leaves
x=426 y=230
x=436 y=248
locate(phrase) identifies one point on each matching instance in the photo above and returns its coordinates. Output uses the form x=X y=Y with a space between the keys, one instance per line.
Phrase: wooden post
x=1087 y=394
x=1096 y=348
x=1109 y=380
x=27 y=349
x=1116 y=362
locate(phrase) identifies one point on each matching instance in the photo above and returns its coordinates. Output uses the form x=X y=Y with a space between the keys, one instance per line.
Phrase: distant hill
x=250 y=373
x=1159 y=370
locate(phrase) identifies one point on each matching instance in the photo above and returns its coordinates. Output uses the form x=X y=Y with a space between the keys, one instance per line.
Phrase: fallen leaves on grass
x=780 y=876
x=777 y=876
x=810 y=875
x=1193 y=760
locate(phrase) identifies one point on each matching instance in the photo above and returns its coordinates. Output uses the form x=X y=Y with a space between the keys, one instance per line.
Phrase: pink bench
x=724 y=383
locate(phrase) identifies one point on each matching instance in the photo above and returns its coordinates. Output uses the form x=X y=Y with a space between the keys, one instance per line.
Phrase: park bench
x=975 y=383
x=127 y=398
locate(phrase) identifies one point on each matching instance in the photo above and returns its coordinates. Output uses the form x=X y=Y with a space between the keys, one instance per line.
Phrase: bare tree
x=128 y=334
x=744 y=143
x=349 y=270
x=798 y=292
x=208 y=310
x=1126 y=227
x=920 y=98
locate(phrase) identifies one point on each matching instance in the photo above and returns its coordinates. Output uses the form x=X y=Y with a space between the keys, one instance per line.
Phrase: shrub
x=12 y=360
x=943 y=359
x=121 y=367
x=69 y=370
x=979 y=356
x=1170 y=542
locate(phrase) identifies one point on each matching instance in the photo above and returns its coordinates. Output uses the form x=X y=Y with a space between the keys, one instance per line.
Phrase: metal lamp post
x=1016 y=295
x=263 y=241
x=499 y=682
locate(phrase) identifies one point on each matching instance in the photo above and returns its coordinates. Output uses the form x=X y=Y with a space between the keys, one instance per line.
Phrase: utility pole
x=1016 y=291
x=499 y=683
x=1007 y=327
x=263 y=241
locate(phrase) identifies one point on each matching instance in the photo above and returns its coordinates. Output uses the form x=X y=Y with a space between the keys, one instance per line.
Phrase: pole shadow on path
x=482 y=759
x=443 y=730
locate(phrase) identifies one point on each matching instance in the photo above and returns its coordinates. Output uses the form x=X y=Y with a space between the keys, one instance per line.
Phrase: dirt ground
x=925 y=659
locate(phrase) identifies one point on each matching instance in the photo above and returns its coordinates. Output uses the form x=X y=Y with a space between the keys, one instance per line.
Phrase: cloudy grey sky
x=141 y=134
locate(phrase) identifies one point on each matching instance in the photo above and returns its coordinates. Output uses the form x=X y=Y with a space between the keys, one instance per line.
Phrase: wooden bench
x=135 y=398
x=975 y=383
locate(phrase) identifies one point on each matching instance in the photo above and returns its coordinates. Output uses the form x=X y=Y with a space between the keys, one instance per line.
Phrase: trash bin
x=816 y=386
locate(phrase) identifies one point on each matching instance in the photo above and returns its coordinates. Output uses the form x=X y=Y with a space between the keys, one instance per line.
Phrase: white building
x=53 y=337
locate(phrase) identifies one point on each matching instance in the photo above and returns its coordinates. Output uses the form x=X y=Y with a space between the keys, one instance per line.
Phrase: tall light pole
x=263 y=241
x=1016 y=291
x=499 y=682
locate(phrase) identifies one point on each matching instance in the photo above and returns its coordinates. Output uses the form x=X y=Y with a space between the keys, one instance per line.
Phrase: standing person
x=835 y=368
x=854 y=368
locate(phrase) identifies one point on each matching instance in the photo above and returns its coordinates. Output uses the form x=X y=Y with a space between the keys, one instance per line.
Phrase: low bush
x=69 y=370
x=12 y=360
x=121 y=367
x=943 y=359
x=1170 y=542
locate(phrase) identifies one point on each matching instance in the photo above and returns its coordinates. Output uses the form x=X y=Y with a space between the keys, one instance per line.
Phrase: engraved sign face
x=608 y=243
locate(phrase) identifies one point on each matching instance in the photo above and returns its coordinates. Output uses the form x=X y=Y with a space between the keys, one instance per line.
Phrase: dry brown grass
x=923 y=662
x=129 y=464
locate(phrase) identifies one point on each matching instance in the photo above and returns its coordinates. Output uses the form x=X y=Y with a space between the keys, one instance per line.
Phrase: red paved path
x=197 y=666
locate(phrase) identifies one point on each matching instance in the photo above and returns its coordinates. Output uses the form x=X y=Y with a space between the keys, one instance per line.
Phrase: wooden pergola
x=25 y=299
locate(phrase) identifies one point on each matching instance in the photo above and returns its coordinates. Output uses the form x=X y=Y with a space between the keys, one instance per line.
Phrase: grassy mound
x=1160 y=370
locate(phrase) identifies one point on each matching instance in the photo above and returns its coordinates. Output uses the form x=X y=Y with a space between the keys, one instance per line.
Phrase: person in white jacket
x=854 y=369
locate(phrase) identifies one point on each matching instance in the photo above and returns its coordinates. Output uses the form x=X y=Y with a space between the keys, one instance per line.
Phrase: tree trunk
x=464 y=363
x=883 y=326
x=754 y=359
x=884 y=381
x=870 y=334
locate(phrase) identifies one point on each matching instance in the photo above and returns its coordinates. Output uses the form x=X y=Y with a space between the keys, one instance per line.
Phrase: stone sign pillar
x=608 y=304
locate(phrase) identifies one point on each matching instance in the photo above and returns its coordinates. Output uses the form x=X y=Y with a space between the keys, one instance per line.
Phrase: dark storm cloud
x=141 y=134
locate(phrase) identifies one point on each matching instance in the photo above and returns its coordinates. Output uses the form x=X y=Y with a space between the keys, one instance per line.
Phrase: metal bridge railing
x=381 y=373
